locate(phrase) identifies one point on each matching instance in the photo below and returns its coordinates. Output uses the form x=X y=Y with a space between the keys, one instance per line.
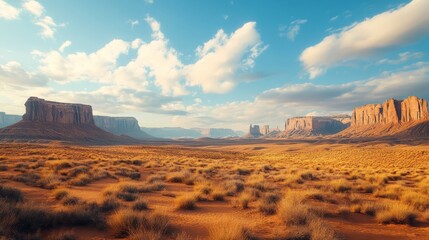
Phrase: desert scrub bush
x=179 y=177
x=27 y=178
x=186 y=202
x=293 y=211
x=128 y=172
x=393 y=192
x=340 y=185
x=243 y=200
x=203 y=188
x=81 y=180
x=242 y=171
x=230 y=230
x=367 y=207
x=151 y=187
x=268 y=204
x=109 y=204
x=233 y=187
x=127 y=222
x=156 y=178
x=73 y=172
x=59 y=164
x=140 y=205
x=396 y=213
x=59 y=194
x=308 y=176
x=31 y=217
x=417 y=200
x=80 y=214
x=10 y=194
x=218 y=195
x=70 y=200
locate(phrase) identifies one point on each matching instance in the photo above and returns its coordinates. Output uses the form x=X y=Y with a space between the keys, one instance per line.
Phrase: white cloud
x=8 y=11
x=333 y=18
x=65 y=45
x=402 y=57
x=47 y=23
x=13 y=74
x=364 y=39
x=220 y=62
x=222 y=57
x=150 y=1
x=293 y=29
x=34 y=7
x=97 y=66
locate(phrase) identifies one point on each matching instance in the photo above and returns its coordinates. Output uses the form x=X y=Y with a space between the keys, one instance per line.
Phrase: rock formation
x=314 y=126
x=265 y=130
x=254 y=131
x=39 y=110
x=47 y=120
x=7 y=119
x=390 y=118
x=121 y=126
x=391 y=112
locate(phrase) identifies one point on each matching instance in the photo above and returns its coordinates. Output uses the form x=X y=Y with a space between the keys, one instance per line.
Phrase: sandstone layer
x=408 y=117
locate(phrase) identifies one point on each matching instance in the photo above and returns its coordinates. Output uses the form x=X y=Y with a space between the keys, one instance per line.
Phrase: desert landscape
x=214 y=120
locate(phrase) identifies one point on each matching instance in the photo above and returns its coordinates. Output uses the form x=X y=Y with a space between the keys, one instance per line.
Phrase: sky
x=213 y=63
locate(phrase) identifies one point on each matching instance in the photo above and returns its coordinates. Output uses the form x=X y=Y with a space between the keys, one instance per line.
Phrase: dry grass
x=186 y=202
x=229 y=230
x=396 y=213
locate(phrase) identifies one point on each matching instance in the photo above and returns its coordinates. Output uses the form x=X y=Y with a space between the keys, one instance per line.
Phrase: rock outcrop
x=7 y=119
x=40 y=110
x=315 y=126
x=121 y=126
x=47 y=120
x=254 y=131
x=391 y=112
x=265 y=130
x=393 y=117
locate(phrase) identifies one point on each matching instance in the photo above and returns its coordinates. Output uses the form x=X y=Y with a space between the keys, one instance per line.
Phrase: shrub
x=218 y=195
x=81 y=180
x=10 y=194
x=129 y=197
x=228 y=231
x=128 y=223
x=293 y=211
x=80 y=214
x=70 y=200
x=396 y=213
x=417 y=200
x=3 y=168
x=140 y=205
x=340 y=185
x=31 y=217
x=186 y=202
x=59 y=194
x=109 y=204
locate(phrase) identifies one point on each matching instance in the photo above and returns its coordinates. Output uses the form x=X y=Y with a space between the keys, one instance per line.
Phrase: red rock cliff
x=39 y=110
x=391 y=112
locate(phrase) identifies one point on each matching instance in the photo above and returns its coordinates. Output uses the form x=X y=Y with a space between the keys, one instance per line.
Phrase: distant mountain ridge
x=8 y=119
x=178 y=132
x=121 y=126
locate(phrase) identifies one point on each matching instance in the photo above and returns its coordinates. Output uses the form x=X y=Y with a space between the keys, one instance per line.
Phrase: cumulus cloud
x=221 y=62
x=8 y=11
x=34 y=7
x=371 y=36
x=12 y=73
x=221 y=58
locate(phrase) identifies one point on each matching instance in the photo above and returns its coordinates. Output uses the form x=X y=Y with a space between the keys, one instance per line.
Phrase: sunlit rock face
x=40 y=110
x=391 y=112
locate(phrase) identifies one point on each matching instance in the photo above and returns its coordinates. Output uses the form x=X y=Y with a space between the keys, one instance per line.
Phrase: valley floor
x=210 y=190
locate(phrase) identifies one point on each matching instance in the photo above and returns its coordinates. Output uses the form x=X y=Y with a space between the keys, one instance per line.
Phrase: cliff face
x=46 y=120
x=120 y=126
x=7 y=119
x=391 y=112
x=265 y=130
x=254 y=131
x=39 y=110
x=310 y=126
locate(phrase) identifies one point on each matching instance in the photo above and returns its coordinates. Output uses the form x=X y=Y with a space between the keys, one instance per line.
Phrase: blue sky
x=196 y=63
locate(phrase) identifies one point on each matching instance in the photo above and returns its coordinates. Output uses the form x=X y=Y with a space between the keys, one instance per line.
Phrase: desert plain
x=216 y=189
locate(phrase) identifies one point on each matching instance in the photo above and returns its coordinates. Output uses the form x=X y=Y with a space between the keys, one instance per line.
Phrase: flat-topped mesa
x=117 y=125
x=40 y=110
x=312 y=125
x=7 y=119
x=254 y=131
x=391 y=112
